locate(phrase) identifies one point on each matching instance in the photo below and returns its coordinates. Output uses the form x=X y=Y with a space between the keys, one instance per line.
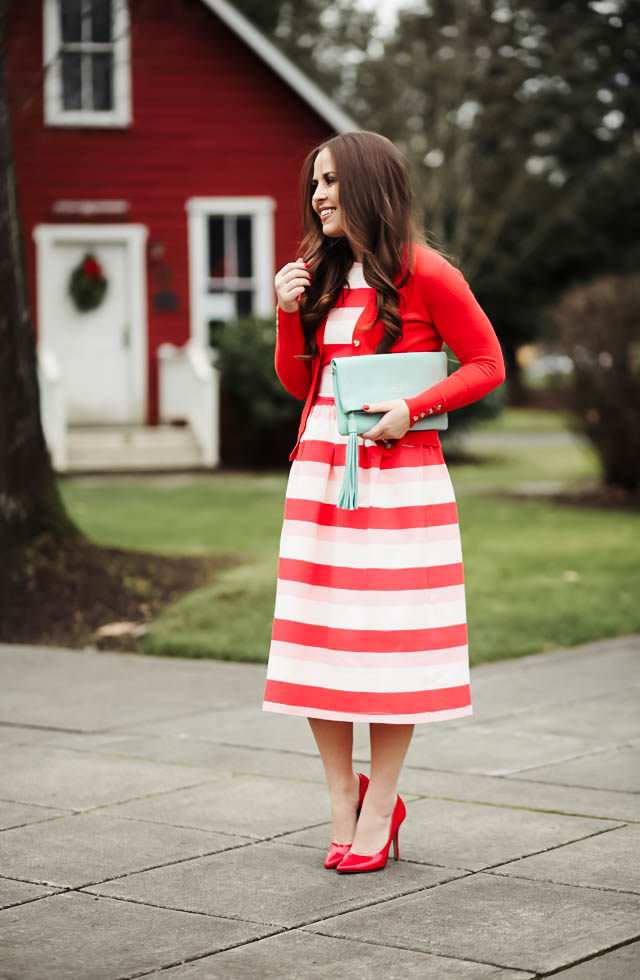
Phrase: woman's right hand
x=290 y=283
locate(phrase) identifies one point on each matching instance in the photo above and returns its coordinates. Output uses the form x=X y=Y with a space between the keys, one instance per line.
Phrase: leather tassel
x=348 y=499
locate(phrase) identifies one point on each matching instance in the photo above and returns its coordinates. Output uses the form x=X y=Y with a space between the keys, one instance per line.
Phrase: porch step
x=132 y=448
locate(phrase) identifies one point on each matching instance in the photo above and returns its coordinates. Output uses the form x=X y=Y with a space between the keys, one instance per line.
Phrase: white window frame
x=199 y=209
x=54 y=112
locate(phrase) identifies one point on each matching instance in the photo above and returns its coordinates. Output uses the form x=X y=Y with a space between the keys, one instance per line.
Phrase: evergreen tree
x=520 y=123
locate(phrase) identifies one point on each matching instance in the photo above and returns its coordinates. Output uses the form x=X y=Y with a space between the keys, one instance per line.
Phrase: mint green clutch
x=364 y=379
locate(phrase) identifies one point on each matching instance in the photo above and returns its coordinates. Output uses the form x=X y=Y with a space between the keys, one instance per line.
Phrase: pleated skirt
x=370 y=614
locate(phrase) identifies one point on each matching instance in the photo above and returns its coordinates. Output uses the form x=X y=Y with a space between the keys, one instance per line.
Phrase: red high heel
x=375 y=862
x=337 y=852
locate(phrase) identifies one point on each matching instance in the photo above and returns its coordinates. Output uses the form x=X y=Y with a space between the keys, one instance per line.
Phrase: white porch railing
x=53 y=409
x=189 y=390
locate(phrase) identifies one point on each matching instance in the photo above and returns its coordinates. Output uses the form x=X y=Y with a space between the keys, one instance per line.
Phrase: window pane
x=102 y=79
x=216 y=246
x=245 y=302
x=245 y=265
x=71 y=80
x=71 y=20
x=101 y=20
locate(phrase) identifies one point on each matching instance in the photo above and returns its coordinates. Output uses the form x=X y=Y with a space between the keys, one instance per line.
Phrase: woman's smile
x=325 y=213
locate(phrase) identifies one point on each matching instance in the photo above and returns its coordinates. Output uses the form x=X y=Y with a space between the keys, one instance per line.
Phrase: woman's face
x=325 y=201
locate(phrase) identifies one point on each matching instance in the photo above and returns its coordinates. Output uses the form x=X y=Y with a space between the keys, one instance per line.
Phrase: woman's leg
x=389 y=744
x=335 y=744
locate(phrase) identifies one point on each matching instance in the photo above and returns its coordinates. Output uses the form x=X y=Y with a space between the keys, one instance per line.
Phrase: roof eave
x=282 y=66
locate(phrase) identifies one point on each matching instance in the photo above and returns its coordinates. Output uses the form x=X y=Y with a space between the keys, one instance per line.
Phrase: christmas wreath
x=87 y=284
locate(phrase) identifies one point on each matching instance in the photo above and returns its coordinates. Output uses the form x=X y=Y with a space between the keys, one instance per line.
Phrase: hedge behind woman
x=370 y=617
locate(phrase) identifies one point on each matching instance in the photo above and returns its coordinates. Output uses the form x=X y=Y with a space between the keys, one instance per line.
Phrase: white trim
x=134 y=237
x=198 y=209
x=53 y=408
x=54 y=114
x=281 y=65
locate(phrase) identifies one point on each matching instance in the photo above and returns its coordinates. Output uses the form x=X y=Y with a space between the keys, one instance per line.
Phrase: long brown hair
x=377 y=216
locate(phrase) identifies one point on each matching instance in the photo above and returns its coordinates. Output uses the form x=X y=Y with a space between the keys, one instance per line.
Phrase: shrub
x=259 y=419
x=598 y=326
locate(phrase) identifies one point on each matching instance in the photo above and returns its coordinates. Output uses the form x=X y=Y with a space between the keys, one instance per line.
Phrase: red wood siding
x=209 y=119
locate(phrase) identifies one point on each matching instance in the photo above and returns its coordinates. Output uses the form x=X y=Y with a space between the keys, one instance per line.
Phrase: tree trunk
x=516 y=390
x=29 y=500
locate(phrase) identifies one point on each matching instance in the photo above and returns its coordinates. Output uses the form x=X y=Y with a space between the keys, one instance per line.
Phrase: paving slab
x=252 y=806
x=617 y=769
x=514 y=789
x=83 y=741
x=201 y=752
x=276 y=884
x=20 y=814
x=605 y=717
x=174 y=754
x=525 y=684
x=298 y=954
x=78 y=780
x=484 y=748
x=620 y=964
x=22 y=734
x=14 y=892
x=76 y=937
x=522 y=793
x=132 y=687
x=527 y=925
x=245 y=726
x=472 y=836
x=608 y=860
x=87 y=847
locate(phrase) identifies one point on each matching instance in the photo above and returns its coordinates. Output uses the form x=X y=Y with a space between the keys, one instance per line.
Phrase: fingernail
x=307 y=264
x=365 y=408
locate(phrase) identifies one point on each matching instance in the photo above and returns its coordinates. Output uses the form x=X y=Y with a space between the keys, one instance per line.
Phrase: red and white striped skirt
x=370 y=613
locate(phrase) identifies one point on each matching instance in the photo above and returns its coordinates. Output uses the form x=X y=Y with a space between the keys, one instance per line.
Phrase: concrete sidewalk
x=156 y=823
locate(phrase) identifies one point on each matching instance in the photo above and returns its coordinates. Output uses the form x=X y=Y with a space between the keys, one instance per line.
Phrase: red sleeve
x=294 y=374
x=466 y=329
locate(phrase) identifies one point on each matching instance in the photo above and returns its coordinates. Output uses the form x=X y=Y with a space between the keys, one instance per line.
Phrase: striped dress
x=370 y=615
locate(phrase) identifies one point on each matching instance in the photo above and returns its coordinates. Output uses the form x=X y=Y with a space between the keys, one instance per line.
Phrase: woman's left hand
x=393 y=424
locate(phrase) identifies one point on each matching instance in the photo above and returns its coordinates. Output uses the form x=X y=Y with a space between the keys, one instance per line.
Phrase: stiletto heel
x=337 y=852
x=375 y=862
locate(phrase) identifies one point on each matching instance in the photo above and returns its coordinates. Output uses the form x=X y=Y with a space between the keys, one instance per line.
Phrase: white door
x=94 y=348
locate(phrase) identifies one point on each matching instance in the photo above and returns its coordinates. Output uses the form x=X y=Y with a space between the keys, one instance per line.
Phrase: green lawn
x=540 y=576
x=523 y=420
x=537 y=575
x=238 y=514
x=509 y=468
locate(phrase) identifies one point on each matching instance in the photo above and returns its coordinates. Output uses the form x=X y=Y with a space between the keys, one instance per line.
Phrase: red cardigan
x=436 y=305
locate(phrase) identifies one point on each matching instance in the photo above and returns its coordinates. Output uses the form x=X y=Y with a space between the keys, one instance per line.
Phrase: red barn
x=157 y=150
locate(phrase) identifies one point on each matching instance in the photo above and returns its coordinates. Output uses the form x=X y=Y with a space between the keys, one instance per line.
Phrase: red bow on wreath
x=87 y=284
x=92 y=268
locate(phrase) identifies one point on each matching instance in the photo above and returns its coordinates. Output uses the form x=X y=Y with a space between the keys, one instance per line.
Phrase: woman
x=370 y=618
